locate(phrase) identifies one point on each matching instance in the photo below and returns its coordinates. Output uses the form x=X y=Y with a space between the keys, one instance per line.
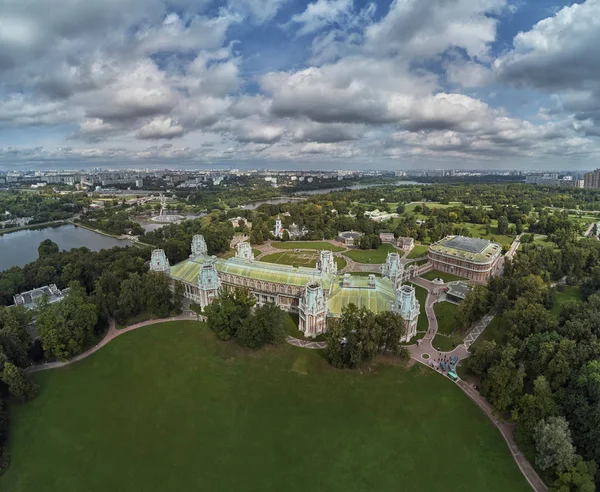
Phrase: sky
x=323 y=84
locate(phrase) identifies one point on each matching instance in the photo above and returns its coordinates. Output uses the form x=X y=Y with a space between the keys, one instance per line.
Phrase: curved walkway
x=296 y=342
x=425 y=347
x=111 y=335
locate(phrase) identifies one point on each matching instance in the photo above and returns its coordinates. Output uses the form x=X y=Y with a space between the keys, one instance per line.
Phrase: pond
x=20 y=247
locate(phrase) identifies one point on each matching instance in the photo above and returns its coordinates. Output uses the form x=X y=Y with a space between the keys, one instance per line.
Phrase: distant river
x=19 y=248
x=358 y=187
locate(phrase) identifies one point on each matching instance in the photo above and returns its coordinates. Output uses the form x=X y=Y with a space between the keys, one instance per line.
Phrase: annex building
x=316 y=294
x=475 y=259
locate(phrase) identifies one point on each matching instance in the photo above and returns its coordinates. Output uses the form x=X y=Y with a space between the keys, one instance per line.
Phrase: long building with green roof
x=316 y=294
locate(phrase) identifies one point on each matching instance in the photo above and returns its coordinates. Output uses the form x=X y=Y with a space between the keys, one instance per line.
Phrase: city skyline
x=290 y=84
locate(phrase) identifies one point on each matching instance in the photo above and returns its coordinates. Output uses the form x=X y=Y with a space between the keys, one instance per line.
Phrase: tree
x=157 y=294
x=553 y=444
x=578 y=477
x=65 y=327
x=131 y=298
x=285 y=236
x=503 y=383
x=228 y=310
x=47 y=247
x=19 y=386
x=502 y=225
x=265 y=326
x=532 y=408
x=393 y=329
x=518 y=226
x=483 y=357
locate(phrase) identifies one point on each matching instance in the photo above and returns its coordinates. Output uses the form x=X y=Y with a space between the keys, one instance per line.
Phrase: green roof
x=187 y=271
x=376 y=299
x=476 y=250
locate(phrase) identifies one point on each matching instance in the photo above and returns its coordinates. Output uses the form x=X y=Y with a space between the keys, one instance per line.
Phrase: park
x=169 y=407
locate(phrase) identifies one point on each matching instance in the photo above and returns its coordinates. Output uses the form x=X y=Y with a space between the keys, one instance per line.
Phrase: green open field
x=299 y=258
x=371 y=256
x=446 y=343
x=445 y=313
x=446 y=277
x=307 y=245
x=421 y=295
x=478 y=230
x=564 y=294
x=418 y=251
x=169 y=407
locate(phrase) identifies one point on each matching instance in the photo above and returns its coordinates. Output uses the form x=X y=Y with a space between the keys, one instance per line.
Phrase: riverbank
x=32 y=227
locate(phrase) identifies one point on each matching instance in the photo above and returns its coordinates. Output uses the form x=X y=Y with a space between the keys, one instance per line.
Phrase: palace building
x=475 y=259
x=316 y=294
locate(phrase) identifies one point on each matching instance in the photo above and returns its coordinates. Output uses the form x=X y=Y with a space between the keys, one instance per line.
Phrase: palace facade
x=316 y=294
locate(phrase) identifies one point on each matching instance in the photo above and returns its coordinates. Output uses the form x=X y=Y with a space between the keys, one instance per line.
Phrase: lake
x=20 y=247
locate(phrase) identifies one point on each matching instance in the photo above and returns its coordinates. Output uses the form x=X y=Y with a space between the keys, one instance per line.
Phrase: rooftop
x=468 y=248
x=30 y=298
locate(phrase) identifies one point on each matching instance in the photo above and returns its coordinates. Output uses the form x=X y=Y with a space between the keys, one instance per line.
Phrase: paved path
x=111 y=335
x=425 y=347
x=506 y=429
x=296 y=342
x=478 y=330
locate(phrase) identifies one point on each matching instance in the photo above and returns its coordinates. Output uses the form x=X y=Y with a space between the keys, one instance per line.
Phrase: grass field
x=372 y=256
x=307 y=245
x=299 y=258
x=564 y=294
x=445 y=343
x=168 y=407
x=445 y=313
x=421 y=295
x=478 y=230
x=418 y=251
x=446 y=277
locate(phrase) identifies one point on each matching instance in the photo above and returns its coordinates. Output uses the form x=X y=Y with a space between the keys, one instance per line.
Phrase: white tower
x=312 y=311
x=198 y=246
x=159 y=261
x=407 y=306
x=393 y=269
x=244 y=251
x=326 y=263
x=278 y=227
x=209 y=282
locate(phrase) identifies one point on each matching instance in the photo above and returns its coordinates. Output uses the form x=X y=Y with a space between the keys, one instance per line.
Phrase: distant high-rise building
x=592 y=179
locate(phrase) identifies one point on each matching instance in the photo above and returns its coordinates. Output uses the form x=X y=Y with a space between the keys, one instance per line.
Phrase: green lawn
x=564 y=294
x=445 y=313
x=446 y=277
x=307 y=245
x=299 y=258
x=364 y=274
x=418 y=251
x=421 y=295
x=478 y=230
x=494 y=331
x=168 y=407
x=372 y=256
x=445 y=343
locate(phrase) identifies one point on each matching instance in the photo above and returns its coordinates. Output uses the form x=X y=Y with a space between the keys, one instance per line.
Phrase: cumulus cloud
x=417 y=28
x=560 y=55
x=322 y=13
x=376 y=83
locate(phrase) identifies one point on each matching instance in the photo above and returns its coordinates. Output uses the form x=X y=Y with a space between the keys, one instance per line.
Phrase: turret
x=393 y=269
x=407 y=306
x=244 y=251
x=312 y=310
x=159 y=261
x=198 y=246
x=326 y=263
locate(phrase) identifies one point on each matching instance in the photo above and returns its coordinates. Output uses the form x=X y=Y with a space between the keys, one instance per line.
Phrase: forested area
x=41 y=207
x=545 y=370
